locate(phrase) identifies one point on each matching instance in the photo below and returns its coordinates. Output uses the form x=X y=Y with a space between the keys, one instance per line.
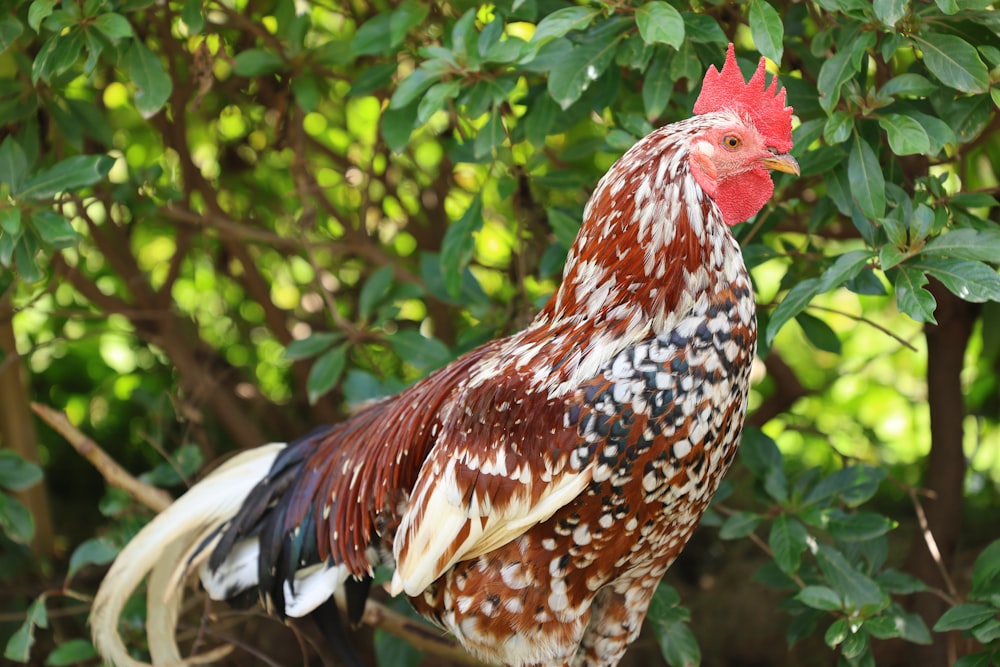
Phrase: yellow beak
x=785 y=163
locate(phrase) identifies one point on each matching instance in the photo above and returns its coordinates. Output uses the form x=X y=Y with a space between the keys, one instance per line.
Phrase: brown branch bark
x=17 y=428
x=946 y=466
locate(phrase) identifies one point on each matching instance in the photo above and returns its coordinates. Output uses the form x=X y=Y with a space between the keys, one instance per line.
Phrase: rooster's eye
x=731 y=141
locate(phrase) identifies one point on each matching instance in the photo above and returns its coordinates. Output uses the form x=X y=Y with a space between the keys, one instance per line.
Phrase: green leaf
x=39 y=11
x=975 y=660
x=19 y=645
x=385 y=32
x=964 y=617
x=325 y=372
x=435 y=97
x=13 y=164
x=657 y=86
x=425 y=354
x=819 y=333
x=15 y=520
x=839 y=69
x=70 y=174
x=857 y=527
x=16 y=474
x=147 y=73
x=986 y=572
x=10 y=30
x=114 y=26
x=910 y=84
x=788 y=541
x=794 y=303
x=95 y=551
x=970 y=280
x=906 y=135
x=193 y=17
x=311 y=346
x=490 y=136
x=57 y=55
x=899 y=583
x=759 y=452
x=413 y=86
x=739 y=524
x=669 y=619
x=10 y=221
x=911 y=297
x=397 y=126
x=988 y=632
x=819 y=597
x=897 y=623
x=866 y=179
x=767 y=29
x=838 y=631
x=857 y=590
x=254 y=62
x=660 y=23
x=458 y=244
x=889 y=12
x=584 y=65
x=972 y=244
x=562 y=21
x=854 y=485
x=54 y=230
x=846 y=267
x=71 y=653
x=375 y=289
x=954 y=62
x=564 y=226
x=838 y=127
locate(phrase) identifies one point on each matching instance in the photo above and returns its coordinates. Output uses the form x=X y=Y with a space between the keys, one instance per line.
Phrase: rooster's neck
x=653 y=248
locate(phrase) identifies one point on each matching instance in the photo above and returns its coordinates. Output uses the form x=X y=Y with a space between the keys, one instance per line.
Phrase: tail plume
x=162 y=550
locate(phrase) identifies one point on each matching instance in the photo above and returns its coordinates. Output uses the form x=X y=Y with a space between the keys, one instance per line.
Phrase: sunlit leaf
x=866 y=178
x=70 y=174
x=114 y=26
x=767 y=29
x=954 y=62
x=659 y=22
x=906 y=135
x=562 y=21
x=147 y=73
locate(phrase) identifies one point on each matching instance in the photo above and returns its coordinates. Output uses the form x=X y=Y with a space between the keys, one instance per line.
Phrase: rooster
x=530 y=495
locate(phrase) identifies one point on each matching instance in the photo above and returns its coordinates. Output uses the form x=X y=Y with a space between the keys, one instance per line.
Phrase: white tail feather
x=158 y=550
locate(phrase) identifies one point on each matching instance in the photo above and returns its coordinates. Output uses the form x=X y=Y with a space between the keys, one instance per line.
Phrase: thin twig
x=865 y=320
x=150 y=496
x=932 y=547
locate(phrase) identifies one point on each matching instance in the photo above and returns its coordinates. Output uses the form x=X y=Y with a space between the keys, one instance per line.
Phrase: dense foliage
x=224 y=222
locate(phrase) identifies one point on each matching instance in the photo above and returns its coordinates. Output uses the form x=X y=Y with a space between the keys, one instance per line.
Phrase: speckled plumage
x=531 y=494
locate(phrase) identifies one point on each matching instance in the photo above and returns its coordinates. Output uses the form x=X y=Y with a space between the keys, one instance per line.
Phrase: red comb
x=765 y=105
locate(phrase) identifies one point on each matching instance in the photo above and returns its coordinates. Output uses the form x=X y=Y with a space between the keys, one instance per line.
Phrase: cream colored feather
x=158 y=551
